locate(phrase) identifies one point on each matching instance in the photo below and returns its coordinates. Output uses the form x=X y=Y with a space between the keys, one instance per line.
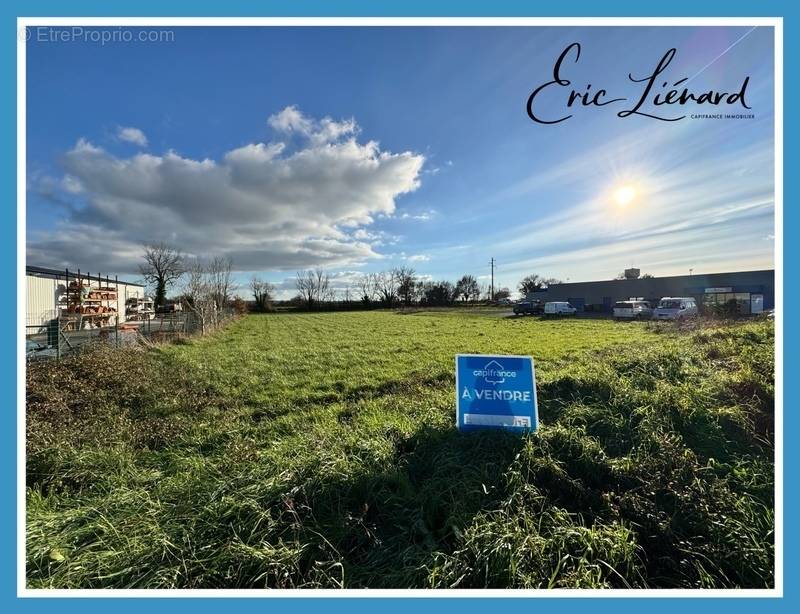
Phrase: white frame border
x=774 y=22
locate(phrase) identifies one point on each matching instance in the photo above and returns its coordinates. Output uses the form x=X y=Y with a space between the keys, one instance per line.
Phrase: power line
x=491 y=292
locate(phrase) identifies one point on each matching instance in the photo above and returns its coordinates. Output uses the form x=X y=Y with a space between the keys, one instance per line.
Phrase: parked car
x=632 y=310
x=559 y=308
x=675 y=308
x=534 y=308
x=504 y=301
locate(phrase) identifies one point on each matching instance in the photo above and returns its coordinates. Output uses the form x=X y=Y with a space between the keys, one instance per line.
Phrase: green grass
x=319 y=450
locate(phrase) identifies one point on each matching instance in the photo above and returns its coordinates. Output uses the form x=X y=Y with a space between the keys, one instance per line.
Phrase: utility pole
x=491 y=291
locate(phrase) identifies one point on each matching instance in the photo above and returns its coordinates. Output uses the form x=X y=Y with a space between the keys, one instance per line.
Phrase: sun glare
x=624 y=195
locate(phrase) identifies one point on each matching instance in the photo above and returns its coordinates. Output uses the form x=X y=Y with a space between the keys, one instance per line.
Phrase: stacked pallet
x=95 y=304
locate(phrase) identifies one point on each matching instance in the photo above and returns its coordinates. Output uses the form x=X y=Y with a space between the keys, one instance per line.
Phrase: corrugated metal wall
x=41 y=300
x=597 y=293
x=43 y=292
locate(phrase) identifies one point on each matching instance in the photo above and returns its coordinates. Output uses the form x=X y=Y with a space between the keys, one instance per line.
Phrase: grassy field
x=319 y=450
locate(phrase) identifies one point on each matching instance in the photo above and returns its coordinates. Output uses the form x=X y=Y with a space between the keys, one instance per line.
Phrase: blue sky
x=360 y=149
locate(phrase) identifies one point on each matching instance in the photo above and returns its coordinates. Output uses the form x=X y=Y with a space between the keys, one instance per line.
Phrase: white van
x=632 y=310
x=675 y=308
x=559 y=308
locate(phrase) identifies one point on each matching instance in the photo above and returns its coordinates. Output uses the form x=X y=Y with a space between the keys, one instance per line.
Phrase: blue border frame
x=788 y=9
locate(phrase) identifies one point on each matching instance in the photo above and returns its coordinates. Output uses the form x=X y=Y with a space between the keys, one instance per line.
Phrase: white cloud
x=71 y=185
x=424 y=216
x=418 y=258
x=132 y=135
x=265 y=208
x=291 y=120
x=361 y=233
x=375 y=237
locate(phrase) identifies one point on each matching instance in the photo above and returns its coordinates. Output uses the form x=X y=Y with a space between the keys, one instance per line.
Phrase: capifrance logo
x=494 y=373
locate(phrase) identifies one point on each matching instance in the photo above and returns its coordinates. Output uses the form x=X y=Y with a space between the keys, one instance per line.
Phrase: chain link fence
x=64 y=335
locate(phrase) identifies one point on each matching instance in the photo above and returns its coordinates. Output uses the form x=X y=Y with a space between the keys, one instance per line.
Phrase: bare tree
x=163 y=266
x=195 y=284
x=331 y=295
x=198 y=294
x=438 y=293
x=531 y=283
x=262 y=293
x=467 y=288
x=313 y=286
x=219 y=277
x=347 y=293
x=367 y=287
x=305 y=287
x=323 y=283
x=534 y=283
x=207 y=289
x=406 y=284
x=386 y=283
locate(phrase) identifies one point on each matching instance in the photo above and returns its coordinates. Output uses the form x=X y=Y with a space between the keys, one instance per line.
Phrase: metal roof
x=40 y=271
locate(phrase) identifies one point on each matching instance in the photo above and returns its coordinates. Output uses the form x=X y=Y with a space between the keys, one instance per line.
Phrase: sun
x=624 y=195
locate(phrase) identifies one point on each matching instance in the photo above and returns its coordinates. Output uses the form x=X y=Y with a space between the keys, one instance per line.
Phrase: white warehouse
x=51 y=293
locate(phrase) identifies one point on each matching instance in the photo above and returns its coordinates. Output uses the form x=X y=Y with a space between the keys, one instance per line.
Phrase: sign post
x=495 y=392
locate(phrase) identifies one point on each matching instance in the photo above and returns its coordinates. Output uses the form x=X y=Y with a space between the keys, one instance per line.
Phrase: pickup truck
x=533 y=308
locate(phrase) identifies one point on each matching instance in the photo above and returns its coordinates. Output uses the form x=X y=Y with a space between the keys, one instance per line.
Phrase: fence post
x=116 y=320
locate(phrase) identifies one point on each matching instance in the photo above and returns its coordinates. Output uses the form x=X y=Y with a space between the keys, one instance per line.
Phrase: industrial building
x=753 y=291
x=48 y=295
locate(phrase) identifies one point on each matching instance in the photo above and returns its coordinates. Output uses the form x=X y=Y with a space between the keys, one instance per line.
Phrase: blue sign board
x=495 y=392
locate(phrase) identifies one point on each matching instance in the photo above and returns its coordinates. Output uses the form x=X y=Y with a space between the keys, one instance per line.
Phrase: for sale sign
x=495 y=392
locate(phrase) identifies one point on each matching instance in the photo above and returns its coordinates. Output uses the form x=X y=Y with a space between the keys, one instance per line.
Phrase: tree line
x=396 y=287
x=208 y=286
x=401 y=286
